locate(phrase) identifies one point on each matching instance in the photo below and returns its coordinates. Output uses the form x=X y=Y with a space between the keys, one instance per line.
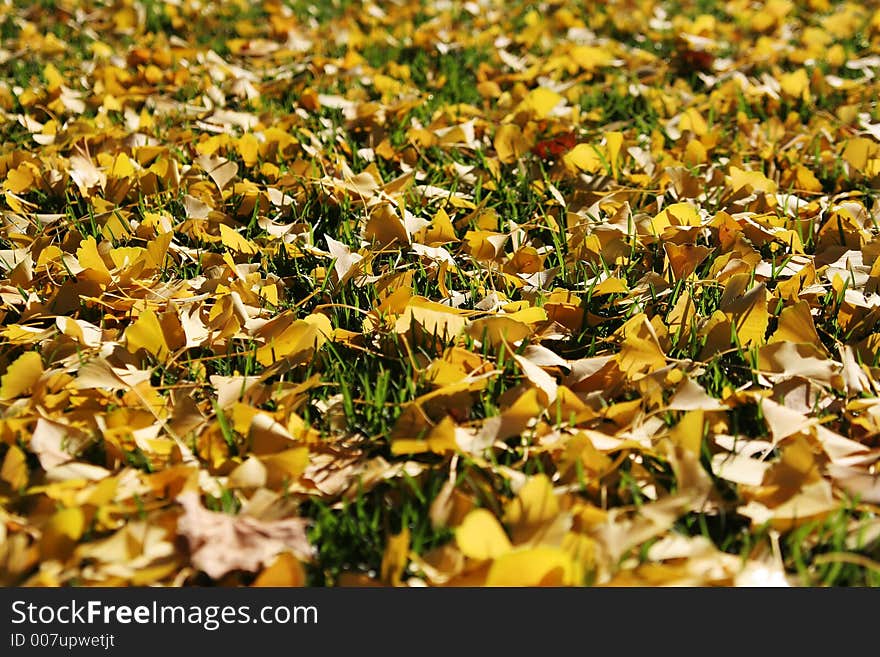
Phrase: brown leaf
x=220 y=543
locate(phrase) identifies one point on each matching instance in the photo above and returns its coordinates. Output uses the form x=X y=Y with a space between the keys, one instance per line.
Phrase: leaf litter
x=439 y=294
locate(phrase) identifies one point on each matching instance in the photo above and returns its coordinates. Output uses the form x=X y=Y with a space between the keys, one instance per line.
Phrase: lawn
x=439 y=293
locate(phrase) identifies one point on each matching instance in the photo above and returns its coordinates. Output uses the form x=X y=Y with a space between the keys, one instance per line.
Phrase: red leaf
x=555 y=146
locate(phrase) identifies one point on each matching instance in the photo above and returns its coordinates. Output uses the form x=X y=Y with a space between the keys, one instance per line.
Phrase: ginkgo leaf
x=541 y=102
x=61 y=532
x=90 y=259
x=684 y=259
x=440 y=439
x=858 y=151
x=286 y=570
x=157 y=250
x=434 y=318
x=386 y=227
x=19 y=180
x=590 y=58
x=223 y=173
x=395 y=558
x=345 y=261
x=583 y=157
x=21 y=375
x=641 y=351
x=538 y=566
x=690 y=396
x=146 y=333
x=480 y=536
x=509 y=142
x=677 y=214
x=795 y=84
x=286 y=466
x=756 y=180
x=750 y=316
x=248 y=148
x=538 y=377
x=14 y=470
x=499 y=329
x=516 y=418
x=220 y=543
x=613 y=144
x=250 y=474
x=535 y=505
x=796 y=325
x=235 y=242
x=691 y=120
x=297 y=341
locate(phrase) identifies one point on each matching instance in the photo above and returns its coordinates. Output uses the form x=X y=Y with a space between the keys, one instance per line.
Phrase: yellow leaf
x=535 y=505
x=677 y=214
x=796 y=84
x=510 y=144
x=516 y=419
x=61 y=533
x=285 y=467
x=589 y=58
x=297 y=340
x=688 y=433
x=233 y=240
x=441 y=230
x=21 y=375
x=685 y=258
x=395 y=558
x=485 y=244
x=122 y=167
x=126 y=256
x=806 y=180
x=15 y=471
x=583 y=157
x=538 y=566
x=640 y=351
x=286 y=570
x=480 y=536
x=156 y=250
x=211 y=145
x=749 y=315
x=146 y=333
x=498 y=329
x=54 y=79
x=19 y=180
x=385 y=227
x=796 y=325
x=692 y=120
x=433 y=317
x=541 y=102
x=740 y=178
x=270 y=294
x=859 y=150
x=89 y=258
x=613 y=143
x=529 y=315
x=440 y=440
x=248 y=148
x=695 y=153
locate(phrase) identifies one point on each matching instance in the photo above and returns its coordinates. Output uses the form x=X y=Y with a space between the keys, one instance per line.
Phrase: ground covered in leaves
x=439 y=293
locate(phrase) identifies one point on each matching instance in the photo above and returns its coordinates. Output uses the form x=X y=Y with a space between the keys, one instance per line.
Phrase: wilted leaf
x=221 y=543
